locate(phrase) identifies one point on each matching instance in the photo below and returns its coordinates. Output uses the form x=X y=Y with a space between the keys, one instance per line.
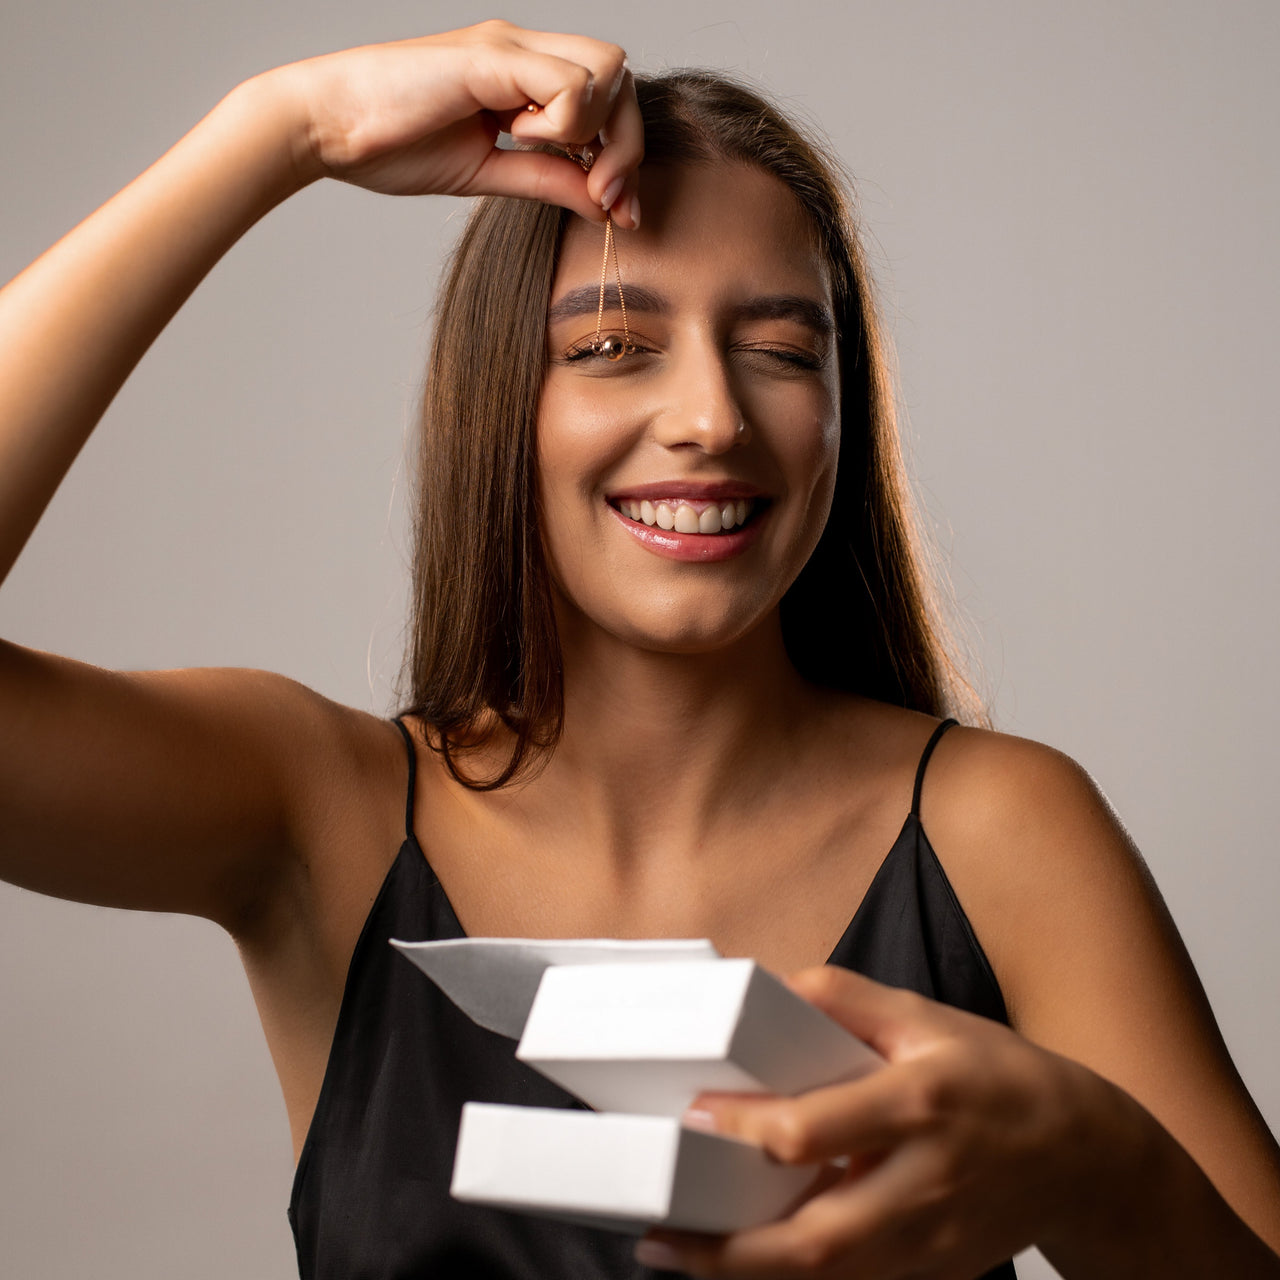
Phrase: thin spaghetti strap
x=924 y=760
x=413 y=777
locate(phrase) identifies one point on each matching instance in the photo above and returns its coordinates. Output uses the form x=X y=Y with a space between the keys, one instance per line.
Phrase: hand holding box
x=636 y=1030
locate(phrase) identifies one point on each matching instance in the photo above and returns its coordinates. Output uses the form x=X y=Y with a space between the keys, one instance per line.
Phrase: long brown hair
x=483 y=644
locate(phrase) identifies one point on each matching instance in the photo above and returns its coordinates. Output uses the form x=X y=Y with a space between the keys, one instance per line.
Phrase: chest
x=782 y=893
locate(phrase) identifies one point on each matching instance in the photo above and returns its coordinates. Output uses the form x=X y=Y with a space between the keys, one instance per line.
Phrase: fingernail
x=635 y=212
x=611 y=193
x=661 y=1257
x=697 y=1118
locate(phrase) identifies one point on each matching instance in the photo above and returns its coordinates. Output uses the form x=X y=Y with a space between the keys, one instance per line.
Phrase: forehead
x=714 y=230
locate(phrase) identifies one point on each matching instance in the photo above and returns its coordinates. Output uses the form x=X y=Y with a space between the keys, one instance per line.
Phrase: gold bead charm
x=612 y=348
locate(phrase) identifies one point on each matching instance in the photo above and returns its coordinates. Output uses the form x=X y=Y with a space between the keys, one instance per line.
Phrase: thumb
x=536 y=175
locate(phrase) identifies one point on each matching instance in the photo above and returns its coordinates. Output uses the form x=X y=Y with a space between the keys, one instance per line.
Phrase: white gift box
x=648 y=1038
x=636 y=1030
x=626 y=1172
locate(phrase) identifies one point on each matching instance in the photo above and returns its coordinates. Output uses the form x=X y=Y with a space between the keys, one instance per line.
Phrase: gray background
x=1074 y=211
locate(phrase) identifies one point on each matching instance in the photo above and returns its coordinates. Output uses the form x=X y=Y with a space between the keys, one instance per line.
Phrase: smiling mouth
x=680 y=515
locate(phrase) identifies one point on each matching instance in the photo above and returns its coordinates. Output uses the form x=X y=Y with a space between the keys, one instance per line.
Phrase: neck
x=658 y=747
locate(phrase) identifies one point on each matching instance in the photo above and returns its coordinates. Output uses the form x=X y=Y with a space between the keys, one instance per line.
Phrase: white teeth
x=686 y=519
x=681 y=517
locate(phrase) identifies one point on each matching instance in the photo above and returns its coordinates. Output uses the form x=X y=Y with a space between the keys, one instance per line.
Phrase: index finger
x=605 y=63
x=857 y=1119
x=619 y=162
x=610 y=112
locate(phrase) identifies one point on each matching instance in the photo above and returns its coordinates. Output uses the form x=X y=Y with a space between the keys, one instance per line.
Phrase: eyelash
x=785 y=355
x=789 y=356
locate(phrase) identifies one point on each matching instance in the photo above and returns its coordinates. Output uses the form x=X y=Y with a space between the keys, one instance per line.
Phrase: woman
x=656 y=686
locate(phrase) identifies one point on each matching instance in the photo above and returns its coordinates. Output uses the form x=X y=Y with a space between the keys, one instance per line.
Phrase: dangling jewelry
x=612 y=347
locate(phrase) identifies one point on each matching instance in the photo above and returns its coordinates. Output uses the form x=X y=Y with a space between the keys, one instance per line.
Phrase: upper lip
x=692 y=490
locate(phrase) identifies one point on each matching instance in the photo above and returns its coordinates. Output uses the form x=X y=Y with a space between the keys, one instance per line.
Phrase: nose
x=699 y=407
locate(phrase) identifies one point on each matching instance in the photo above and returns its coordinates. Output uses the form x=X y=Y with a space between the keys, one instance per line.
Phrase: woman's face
x=725 y=419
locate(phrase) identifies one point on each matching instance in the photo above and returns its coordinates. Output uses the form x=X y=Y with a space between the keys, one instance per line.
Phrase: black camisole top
x=371 y=1192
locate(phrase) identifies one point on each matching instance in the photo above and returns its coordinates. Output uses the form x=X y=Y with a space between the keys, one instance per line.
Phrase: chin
x=682 y=631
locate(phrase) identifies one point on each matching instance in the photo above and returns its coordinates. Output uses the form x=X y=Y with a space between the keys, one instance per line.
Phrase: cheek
x=823 y=491
x=578 y=439
x=578 y=443
x=810 y=452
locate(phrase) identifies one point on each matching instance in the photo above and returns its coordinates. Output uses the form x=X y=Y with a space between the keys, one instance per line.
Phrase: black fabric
x=371 y=1194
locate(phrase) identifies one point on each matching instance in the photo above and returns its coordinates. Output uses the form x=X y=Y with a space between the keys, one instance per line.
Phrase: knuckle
x=822 y=985
x=937 y=1245
x=938 y=1092
x=924 y=1102
x=491 y=31
x=945 y=1238
x=789 y=1137
x=813 y=1253
x=614 y=63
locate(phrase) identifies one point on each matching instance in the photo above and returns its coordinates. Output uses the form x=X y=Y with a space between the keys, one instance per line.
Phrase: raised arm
x=172 y=791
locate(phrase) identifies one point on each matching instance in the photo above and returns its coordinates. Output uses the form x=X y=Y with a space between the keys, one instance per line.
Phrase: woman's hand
x=971 y=1145
x=423 y=116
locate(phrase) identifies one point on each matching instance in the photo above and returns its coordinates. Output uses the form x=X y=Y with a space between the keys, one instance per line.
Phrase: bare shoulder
x=1088 y=956
x=1021 y=800
x=1037 y=855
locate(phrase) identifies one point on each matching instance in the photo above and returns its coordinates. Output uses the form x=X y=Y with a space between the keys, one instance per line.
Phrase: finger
x=607 y=64
x=894 y=1022
x=560 y=88
x=577 y=114
x=535 y=175
x=612 y=115
x=860 y=1118
x=868 y=1226
x=615 y=176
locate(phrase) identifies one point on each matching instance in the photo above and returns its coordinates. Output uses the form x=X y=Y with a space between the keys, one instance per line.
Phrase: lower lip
x=703 y=548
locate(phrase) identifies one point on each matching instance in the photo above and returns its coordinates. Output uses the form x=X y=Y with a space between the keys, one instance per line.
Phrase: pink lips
x=706 y=548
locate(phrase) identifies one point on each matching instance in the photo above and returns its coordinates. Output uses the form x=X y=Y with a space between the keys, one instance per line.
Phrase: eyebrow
x=585 y=301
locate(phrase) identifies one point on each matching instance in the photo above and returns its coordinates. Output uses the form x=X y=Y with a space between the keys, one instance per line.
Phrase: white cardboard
x=633 y=1027
x=494 y=980
x=624 y=1172
x=642 y=1038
